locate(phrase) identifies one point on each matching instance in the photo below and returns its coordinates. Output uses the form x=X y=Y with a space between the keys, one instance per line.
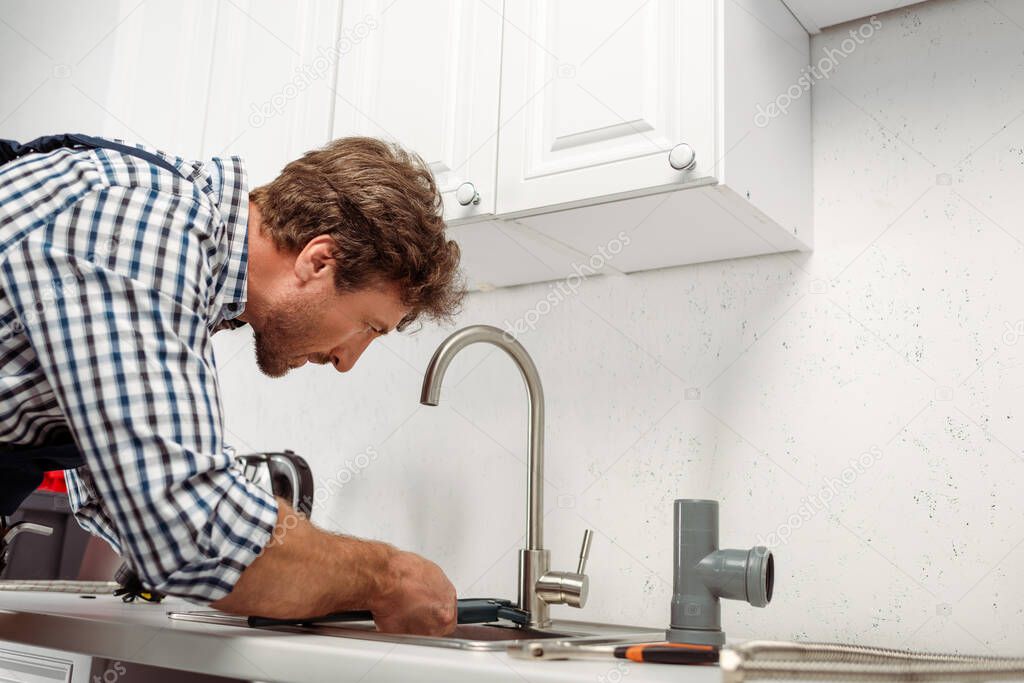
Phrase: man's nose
x=344 y=357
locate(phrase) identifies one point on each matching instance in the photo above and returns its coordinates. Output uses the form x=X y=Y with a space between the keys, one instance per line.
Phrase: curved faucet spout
x=431 y=396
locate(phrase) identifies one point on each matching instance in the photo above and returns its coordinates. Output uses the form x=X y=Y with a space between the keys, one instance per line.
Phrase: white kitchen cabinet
x=597 y=95
x=122 y=69
x=500 y=253
x=153 y=93
x=816 y=15
x=562 y=114
x=273 y=67
x=426 y=74
x=574 y=121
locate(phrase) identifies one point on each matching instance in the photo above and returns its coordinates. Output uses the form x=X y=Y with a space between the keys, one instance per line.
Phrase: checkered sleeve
x=120 y=332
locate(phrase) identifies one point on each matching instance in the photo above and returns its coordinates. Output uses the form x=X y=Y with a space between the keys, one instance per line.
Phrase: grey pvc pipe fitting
x=704 y=574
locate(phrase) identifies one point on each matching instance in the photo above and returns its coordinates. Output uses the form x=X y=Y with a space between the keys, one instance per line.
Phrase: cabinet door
x=425 y=74
x=595 y=94
x=121 y=69
x=272 y=82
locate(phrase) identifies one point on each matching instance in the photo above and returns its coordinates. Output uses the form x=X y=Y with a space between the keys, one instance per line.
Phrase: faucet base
x=533 y=564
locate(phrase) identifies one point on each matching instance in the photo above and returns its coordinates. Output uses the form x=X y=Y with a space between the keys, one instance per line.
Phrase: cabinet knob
x=682 y=157
x=466 y=194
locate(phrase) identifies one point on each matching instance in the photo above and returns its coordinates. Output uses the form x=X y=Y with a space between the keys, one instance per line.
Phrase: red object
x=54 y=481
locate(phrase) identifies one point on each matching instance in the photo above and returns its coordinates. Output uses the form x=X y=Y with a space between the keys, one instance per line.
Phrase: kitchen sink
x=498 y=637
x=481 y=637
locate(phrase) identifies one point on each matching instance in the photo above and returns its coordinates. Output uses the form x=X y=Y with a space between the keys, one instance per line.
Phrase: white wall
x=892 y=336
x=754 y=382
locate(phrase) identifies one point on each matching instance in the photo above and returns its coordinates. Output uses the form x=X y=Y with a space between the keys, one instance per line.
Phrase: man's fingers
x=423 y=601
x=447 y=613
x=439 y=620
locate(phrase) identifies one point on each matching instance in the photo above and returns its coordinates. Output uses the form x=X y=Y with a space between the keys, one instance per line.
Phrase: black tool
x=471 y=611
x=668 y=653
x=132 y=588
x=661 y=653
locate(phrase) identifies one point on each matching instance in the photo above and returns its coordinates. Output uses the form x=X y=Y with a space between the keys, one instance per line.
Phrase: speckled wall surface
x=859 y=408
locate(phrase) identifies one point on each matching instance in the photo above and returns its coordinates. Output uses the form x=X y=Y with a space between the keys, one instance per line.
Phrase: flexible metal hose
x=838 y=661
x=843 y=652
x=59 y=586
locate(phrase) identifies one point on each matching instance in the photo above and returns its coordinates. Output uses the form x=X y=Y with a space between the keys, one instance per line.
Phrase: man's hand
x=418 y=598
x=307 y=572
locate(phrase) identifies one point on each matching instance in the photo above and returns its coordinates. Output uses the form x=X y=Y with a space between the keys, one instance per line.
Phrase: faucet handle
x=588 y=535
x=568 y=588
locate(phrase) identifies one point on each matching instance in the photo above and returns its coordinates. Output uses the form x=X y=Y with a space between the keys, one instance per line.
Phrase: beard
x=288 y=329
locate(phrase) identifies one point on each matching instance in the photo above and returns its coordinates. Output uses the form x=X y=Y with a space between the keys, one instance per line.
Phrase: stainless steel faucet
x=539 y=587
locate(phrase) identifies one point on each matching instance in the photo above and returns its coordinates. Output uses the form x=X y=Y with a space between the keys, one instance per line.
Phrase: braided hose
x=843 y=662
x=59 y=586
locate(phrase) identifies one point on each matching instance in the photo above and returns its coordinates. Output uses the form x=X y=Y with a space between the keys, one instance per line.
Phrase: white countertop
x=142 y=632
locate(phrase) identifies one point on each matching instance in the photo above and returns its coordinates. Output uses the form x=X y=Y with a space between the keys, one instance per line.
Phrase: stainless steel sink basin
x=497 y=637
x=485 y=637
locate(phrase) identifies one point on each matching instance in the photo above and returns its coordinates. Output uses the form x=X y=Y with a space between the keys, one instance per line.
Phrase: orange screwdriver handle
x=669 y=653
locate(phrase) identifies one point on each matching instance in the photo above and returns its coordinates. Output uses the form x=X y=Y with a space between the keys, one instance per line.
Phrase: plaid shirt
x=114 y=273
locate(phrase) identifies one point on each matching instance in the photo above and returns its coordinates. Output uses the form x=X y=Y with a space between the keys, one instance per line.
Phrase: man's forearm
x=306 y=571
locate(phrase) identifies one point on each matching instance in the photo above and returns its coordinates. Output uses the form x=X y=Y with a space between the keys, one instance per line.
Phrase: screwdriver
x=663 y=653
x=668 y=653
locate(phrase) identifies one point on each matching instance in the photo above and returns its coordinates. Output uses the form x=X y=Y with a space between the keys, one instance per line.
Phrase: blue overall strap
x=11 y=149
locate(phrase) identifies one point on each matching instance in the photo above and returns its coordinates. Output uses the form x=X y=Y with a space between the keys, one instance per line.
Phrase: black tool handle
x=669 y=653
x=471 y=611
x=353 y=615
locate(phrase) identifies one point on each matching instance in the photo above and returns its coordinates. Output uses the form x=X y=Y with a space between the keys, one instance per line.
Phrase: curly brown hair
x=380 y=204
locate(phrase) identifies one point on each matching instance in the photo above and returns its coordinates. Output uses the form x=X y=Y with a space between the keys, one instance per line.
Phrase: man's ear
x=316 y=260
